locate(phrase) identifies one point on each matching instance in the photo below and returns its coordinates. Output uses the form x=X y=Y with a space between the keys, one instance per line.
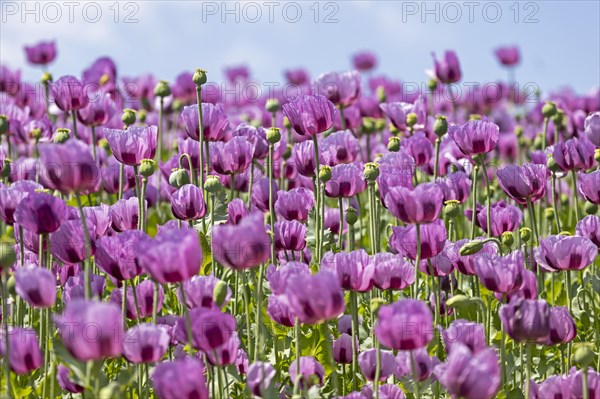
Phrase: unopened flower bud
x=147 y=167
x=549 y=109
x=213 y=184
x=525 y=233
x=471 y=247
x=199 y=77
x=508 y=239
x=286 y=123
x=394 y=144
x=440 y=126
x=128 y=117
x=220 y=293
x=452 y=209
x=369 y=125
x=162 y=89
x=538 y=142
x=583 y=357
x=288 y=152
x=432 y=84
x=36 y=133
x=62 y=135
x=559 y=119
x=141 y=114
x=325 y=173
x=179 y=177
x=351 y=216
x=549 y=214
x=380 y=92
x=272 y=105
x=273 y=135
x=371 y=171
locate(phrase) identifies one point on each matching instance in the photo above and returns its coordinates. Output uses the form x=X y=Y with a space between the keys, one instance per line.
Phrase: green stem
x=437 y=158
x=488 y=199
x=318 y=197
x=88 y=288
x=246 y=290
x=121 y=180
x=298 y=354
x=355 y=334
x=259 y=294
x=200 y=136
x=93 y=142
x=413 y=362
x=584 y=383
x=528 y=369
x=188 y=321
x=575 y=194
x=533 y=221
x=155 y=301
x=74 y=116
x=341 y=234
x=556 y=214
x=417 y=260
x=474 y=192
x=250 y=184
x=271 y=203
x=124 y=303
x=544 y=139
x=377 y=369
x=6 y=335
x=160 y=131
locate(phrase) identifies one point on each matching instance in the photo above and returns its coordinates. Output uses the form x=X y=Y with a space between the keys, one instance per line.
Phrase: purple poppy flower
x=421 y=205
x=310 y=115
x=526 y=320
x=592 y=128
x=63 y=376
x=470 y=375
x=36 y=285
x=523 y=182
x=392 y=272
x=442 y=264
x=310 y=369
x=279 y=310
x=42 y=128
x=397 y=112
x=97 y=112
x=423 y=362
x=303 y=155
x=124 y=214
x=404 y=325
x=241 y=362
x=11 y=196
x=420 y=148
x=233 y=156
x=42 y=53
x=508 y=56
x=242 y=246
x=346 y=181
x=102 y=71
x=342 y=89
x=433 y=239
x=589 y=227
x=279 y=278
x=172 y=256
x=145 y=304
x=337 y=148
x=294 y=204
x=465 y=264
x=214 y=121
x=68 y=242
x=117 y=254
x=456 y=186
x=555 y=386
x=226 y=354
x=255 y=135
x=260 y=193
x=529 y=290
x=69 y=167
x=354 y=270
x=558 y=253
x=367 y=362
x=69 y=93
x=342 y=349
x=25 y=354
x=260 y=377
x=145 y=343
x=211 y=329
x=40 y=213
x=236 y=211
x=364 y=61
x=503 y=274
x=187 y=203
x=74 y=287
x=574 y=154
x=475 y=137
x=183 y=378
x=504 y=217
x=132 y=145
x=74 y=323
x=199 y=292
x=562 y=327
x=448 y=69
x=469 y=334
x=289 y=235
x=315 y=298
x=99 y=217
x=297 y=76
x=395 y=170
x=576 y=383
x=589 y=186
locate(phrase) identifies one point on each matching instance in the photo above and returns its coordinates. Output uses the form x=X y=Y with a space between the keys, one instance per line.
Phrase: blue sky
x=559 y=40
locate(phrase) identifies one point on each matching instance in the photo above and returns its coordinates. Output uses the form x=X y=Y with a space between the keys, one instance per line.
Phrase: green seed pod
x=162 y=89
x=213 y=184
x=394 y=144
x=451 y=209
x=371 y=171
x=46 y=78
x=474 y=117
x=590 y=208
x=36 y=133
x=432 y=84
x=597 y=155
x=272 y=105
x=325 y=173
x=508 y=239
x=549 y=214
x=351 y=216
x=471 y=247
x=411 y=119
x=141 y=114
x=440 y=126
x=62 y=135
x=380 y=92
x=220 y=293
x=128 y=117
x=525 y=233
x=199 y=77
x=179 y=177
x=583 y=357
x=147 y=167
x=273 y=135
x=549 y=109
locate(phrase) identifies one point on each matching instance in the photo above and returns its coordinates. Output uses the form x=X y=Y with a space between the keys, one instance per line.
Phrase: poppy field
x=338 y=238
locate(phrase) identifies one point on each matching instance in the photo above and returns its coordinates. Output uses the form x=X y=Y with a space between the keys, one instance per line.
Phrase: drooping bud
x=179 y=177
x=583 y=357
x=559 y=119
x=220 y=293
x=549 y=214
x=519 y=131
x=46 y=78
x=381 y=97
x=432 y=84
x=471 y=247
